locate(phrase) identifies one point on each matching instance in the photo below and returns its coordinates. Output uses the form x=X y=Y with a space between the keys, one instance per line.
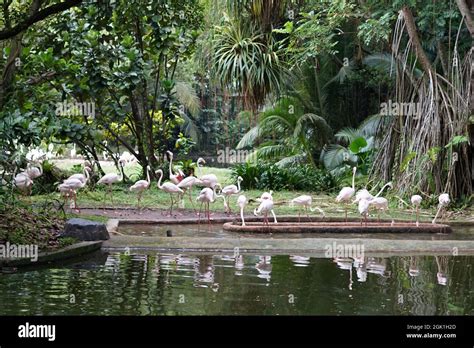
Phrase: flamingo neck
x=159 y=181
x=238 y=185
x=381 y=190
x=86 y=173
x=148 y=174
x=171 y=165
x=353 y=179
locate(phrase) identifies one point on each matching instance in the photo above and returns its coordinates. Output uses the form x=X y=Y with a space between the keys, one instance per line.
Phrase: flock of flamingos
x=179 y=186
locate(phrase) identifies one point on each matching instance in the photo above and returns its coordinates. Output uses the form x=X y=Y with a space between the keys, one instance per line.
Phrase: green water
x=186 y=284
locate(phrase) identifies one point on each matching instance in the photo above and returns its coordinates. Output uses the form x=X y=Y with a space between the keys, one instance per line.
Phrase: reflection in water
x=442 y=275
x=264 y=267
x=187 y=284
x=413 y=270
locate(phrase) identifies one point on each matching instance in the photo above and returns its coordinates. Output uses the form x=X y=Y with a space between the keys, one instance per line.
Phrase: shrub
x=264 y=176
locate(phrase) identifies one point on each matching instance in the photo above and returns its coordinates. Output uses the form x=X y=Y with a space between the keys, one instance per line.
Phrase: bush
x=264 y=176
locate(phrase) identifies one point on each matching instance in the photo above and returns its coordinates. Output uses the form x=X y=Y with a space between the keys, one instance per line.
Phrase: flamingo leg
x=307 y=214
x=228 y=205
x=208 y=213
x=171 y=207
x=345 y=209
x=299 y=216
x=200 y=209
x=417 y=215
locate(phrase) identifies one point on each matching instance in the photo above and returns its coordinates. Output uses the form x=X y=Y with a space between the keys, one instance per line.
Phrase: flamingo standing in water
x=415 y=202
x=208 y=180
x=168 y=187
x=207 y=196
x=242 y=202
x=228 y=191
x=305 y=201
x=443 y=201
x=346 y=193
x=109 y=180
x=141 y=185
x=174 y=178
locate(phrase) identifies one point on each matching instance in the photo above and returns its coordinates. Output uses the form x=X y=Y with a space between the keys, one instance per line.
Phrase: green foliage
x=272 y=177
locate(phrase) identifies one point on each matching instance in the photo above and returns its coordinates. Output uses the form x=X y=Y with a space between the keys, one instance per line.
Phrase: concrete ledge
x=53 y=256
x=337 y=227
x=276 y=246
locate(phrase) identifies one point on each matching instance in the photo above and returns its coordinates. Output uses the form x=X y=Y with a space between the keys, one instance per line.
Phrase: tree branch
x=37 y=17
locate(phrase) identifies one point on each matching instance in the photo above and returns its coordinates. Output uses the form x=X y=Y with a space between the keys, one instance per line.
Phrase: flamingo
x=364 y=205
x=381 y=204
x=34 y=172
x=109 y=180
x=208 y=180
x=265 y=195
x=83 y=177
x=23 y=182
x=187 y=185
x=443 y=201
x=72 y=185
x=141 y=185
x=416 y=201
x=305 y=201
x=265 y=207
x=364 y=194
x=175 y=178
x=168 y=187
x=242 y=202
x=347 y=192
x=230 y=190
x=207 y=196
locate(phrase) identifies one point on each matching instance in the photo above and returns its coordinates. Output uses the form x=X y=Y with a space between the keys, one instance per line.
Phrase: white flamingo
x=174 y=178
x=443 y=201
x=230 y=190
x=73 y=185
x=305 y=201
x=109 y=180
x=346 y=193
x=380 y=204
x=416 y=202
x=187 y=186
x=363 y=206
x=23 y=182
x=265 y=195
x=73 y=151
x=364 y=194
x=83 y=177
x=141 y=185
x=168 y=187
x=208 y=180
x=34 y=172
x=242 y=202
x=207 y=196
x=265 y=207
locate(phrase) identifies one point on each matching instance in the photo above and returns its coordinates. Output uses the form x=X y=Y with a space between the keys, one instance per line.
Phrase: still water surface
x=150 y=283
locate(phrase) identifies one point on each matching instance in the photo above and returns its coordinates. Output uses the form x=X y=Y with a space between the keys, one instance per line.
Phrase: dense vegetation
x=301 y=84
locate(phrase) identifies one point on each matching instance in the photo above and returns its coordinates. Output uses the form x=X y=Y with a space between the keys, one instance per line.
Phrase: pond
x=151 y=283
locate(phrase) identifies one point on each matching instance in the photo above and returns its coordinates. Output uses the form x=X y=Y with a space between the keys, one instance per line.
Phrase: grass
x=157 y=199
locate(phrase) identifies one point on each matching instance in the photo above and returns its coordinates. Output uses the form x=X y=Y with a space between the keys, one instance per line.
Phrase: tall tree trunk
x=466 y=13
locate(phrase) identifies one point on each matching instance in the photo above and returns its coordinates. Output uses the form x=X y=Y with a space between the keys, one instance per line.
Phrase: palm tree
x=248 y=61
x=287 y=134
